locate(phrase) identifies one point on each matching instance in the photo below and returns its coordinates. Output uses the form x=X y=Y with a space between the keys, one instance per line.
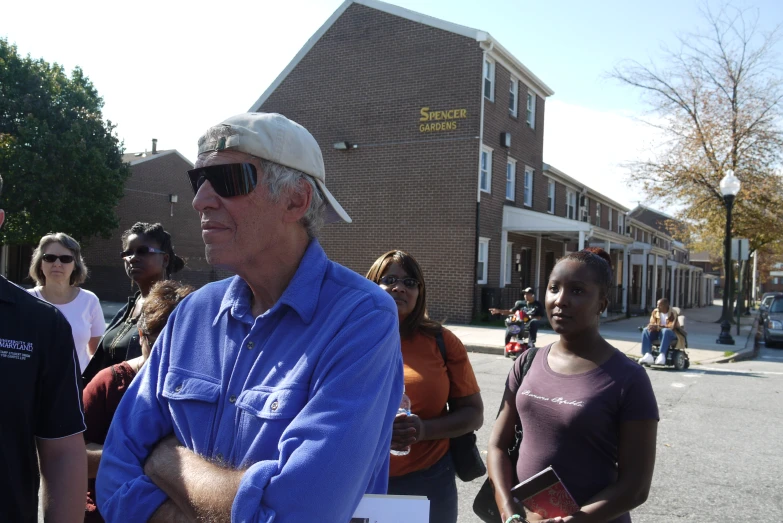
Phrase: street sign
x=740 y=249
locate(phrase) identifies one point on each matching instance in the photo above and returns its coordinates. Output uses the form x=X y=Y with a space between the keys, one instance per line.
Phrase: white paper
x=374 y=508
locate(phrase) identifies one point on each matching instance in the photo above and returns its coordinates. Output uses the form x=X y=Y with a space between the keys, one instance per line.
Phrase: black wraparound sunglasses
x=51 y=258
x=228 y=179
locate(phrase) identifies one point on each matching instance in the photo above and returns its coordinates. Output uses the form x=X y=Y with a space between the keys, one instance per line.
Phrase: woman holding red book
x=585 y=409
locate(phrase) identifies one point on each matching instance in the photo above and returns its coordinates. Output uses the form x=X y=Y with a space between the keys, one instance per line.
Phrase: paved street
x=720 y=450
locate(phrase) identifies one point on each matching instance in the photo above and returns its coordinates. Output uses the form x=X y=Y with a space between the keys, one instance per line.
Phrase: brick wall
x=527 y=147
x=366 y=81
x=147 y=200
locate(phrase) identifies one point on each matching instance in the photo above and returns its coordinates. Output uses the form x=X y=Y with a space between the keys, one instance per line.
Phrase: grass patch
x=729 y=353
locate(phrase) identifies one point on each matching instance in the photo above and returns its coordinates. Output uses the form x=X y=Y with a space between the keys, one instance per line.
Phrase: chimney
x=154 y=146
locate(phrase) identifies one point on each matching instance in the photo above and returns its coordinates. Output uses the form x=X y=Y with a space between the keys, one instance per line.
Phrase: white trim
x=513 y=90
x=524 y=186
x=513 y=164
x=530 y=113
x=485 y=272
x=551 y=188
x=496 y=51
x=508 y=269
x=488 y=150
x=492 y=73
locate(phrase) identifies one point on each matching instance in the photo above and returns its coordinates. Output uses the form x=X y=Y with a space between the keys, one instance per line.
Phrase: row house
x=661 y=266
x=432 y=135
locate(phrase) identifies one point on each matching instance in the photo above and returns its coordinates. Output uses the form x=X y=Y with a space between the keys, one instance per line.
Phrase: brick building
x=433 y=135
x=157 y=191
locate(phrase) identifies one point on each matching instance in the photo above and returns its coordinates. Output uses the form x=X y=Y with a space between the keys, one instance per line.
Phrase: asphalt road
x=720 y=440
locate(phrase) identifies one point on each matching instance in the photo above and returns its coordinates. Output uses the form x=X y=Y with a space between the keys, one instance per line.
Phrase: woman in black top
x=149 y=257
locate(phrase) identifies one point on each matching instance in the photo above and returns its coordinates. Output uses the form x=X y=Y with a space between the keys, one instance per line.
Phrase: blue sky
x=168 y=70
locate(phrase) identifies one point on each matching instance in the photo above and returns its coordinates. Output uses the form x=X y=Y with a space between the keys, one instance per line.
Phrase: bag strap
x=442 y=346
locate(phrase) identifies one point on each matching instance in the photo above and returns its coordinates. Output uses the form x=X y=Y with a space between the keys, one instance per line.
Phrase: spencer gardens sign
x=435 y=121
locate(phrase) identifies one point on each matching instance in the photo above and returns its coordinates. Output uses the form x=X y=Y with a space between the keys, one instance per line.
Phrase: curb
x=742 y=355
x=486 y=349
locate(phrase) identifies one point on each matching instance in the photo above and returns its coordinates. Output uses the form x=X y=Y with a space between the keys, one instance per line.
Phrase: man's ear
x=299 y=201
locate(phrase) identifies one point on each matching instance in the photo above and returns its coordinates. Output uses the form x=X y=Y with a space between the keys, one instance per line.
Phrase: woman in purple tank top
x=585 y=409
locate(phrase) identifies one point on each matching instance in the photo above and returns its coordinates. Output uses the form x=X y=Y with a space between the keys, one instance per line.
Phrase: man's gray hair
x=279 y=178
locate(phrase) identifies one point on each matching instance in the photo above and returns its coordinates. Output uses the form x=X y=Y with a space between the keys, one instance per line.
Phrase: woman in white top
x=57 y=268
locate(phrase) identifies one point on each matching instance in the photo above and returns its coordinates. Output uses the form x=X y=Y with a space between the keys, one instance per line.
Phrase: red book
x=545 y=494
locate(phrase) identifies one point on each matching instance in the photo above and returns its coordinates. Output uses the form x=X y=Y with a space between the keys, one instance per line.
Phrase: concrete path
x=700 y=323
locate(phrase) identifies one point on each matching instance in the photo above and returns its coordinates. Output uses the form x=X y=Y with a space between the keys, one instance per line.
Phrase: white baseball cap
x=274 y=137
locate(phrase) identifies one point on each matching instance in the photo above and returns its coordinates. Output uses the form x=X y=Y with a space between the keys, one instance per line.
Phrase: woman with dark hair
x=585 y=408
x=103 y=394
x=148 y=255
x=57 y=268
x=444 y=395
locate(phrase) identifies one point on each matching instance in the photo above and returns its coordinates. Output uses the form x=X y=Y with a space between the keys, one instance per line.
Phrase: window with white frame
x=511 y=179
x=485 y=171
x=550 y=197
x=570 y=204
x=609 y=215
x=489 y=80
x=528 y=186
x=531 y=110
x=509 y=262
x=598 y=213
x=483 y=257
x=513 y=97
x=620 y=223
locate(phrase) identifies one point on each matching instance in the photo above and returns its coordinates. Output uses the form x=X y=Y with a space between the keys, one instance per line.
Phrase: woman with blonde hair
x=57 y=267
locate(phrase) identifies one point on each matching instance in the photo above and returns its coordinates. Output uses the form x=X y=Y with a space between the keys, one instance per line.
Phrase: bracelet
x=516 y=517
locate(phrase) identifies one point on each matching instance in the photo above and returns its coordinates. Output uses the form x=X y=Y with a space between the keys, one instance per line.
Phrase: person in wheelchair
x=664 y=325
x=530 y=306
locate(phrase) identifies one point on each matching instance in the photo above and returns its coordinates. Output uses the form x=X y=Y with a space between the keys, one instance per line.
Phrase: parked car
x=766 y=301
x=773 y=322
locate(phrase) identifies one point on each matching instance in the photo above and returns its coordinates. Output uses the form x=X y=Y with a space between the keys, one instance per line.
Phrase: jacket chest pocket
x=193 y=405
x=265 y=414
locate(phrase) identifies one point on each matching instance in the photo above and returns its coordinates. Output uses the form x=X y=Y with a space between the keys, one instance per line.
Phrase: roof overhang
x=533 y=222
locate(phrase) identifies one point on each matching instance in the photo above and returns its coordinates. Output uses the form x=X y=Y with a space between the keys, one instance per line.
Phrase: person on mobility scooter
x=664 y=340
x=522 y=323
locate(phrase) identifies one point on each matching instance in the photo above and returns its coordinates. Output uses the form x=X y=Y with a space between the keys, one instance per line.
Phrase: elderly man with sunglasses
x=269 y=396
x=41 y=411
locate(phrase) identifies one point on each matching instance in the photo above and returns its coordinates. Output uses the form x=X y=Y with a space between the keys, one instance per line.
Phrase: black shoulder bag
x=484 y=505
x=464 y=452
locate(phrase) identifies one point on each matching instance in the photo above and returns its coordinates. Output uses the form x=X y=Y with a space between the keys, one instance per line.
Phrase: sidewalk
x=623 y=333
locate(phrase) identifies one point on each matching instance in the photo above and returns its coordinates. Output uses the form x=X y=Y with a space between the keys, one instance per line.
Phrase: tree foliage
x=61 y=163
x=716 y=101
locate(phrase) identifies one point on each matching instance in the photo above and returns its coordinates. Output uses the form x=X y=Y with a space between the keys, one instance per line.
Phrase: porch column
x=538 y=265
x=608 y=249
x=503 y=249
x=672 y=286
x=581 y=240
x=626 y=278
x=655 y=280
x=691 y=287
x=645 y=264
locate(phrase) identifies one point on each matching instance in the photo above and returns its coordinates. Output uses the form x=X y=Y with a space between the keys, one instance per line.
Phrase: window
x=620 y=223
x=513 y=97
x=609 y=214
x=483 y=256
x=598 y=214
x=509 y=262
x=511 y=177
x=570 y=204
x=531 y=110
x=485 y=172
x=550 y=197
x=528 y=186
x=489 y=80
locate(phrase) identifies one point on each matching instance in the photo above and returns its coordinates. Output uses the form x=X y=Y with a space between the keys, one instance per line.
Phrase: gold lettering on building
x=440 y=120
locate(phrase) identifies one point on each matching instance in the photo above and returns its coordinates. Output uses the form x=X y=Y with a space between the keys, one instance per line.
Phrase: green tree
x=61 y=163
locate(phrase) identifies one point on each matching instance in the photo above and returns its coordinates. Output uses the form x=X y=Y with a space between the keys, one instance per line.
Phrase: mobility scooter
x=517 y=326
x=676 y=356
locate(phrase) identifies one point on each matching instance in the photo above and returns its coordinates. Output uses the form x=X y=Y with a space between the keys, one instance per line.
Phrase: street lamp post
x=729 y=187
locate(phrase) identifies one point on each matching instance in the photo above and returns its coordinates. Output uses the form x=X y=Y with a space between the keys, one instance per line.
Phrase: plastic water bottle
x=405 y=408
